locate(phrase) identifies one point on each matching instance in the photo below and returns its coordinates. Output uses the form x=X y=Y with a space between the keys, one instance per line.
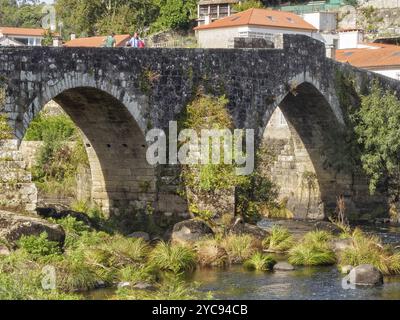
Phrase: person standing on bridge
x=110 y=41
x=135 y=42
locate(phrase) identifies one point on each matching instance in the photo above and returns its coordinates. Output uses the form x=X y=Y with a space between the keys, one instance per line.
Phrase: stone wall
x=17 y=192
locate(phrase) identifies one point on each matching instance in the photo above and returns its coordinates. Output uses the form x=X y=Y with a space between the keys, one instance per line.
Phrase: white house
x=380 y=58
x=252 y=23
x=21 y=36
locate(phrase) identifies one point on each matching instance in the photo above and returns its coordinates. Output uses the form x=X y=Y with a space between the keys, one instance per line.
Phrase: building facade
x=211 y=10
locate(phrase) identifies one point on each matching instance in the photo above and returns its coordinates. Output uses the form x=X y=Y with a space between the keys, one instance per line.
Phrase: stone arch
x=303 y=169
x=113 y=131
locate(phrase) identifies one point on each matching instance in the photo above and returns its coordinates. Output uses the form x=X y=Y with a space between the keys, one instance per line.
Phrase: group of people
x=133 y=42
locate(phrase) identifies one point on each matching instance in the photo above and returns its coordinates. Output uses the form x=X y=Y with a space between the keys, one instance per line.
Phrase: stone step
x=9 y=145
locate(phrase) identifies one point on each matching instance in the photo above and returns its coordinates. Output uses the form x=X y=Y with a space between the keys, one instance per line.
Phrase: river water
x=304 y=283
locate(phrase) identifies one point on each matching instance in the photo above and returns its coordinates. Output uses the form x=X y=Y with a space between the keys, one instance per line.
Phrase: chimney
x=73 y=36
x=331 y=51
x=207 y=19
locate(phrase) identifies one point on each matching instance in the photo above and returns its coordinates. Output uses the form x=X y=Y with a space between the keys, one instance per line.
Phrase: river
x=304 y=283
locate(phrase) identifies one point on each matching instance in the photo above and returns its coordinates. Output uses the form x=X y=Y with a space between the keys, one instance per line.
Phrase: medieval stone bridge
x=115 y=95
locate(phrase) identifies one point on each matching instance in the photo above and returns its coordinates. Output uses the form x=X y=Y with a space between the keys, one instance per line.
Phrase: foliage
x=6 y=131
x=378 y=132
x=94 y=17
x=279 y=240
x=259 y=262
x=175 y=14
x=15 y=13
x=47 y=38
x=207 y=112
x=39 y=246
x=313 y=250
x=370 y=250
x=57 y=161
x=255 y=195
x=173 y=258
x=248 y=4
x=47 y=128
x=240 y=247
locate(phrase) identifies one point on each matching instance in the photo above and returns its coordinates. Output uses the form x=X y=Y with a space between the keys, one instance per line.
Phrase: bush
x=370 y=250
x=51 y=128
x=239 y=247
x=259 y=262
x=280 y=240
x=173 y=258
x=313 y=250
x=40 y=246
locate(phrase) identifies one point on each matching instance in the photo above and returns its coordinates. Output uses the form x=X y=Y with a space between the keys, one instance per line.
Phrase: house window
x=223 y=10
x=214 y=11
x=203 y=11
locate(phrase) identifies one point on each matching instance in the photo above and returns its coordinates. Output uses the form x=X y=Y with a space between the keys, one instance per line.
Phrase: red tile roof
x=380 y=55
x=121 y=40
x=11 y=31
x=261 y=17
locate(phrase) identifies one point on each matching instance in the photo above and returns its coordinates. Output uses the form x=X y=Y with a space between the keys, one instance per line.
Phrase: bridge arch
x=304 y=167
x=113 y=132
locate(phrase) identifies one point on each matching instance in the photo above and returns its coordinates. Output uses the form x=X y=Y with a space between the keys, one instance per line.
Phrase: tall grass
x=240 y=247
x=210 y=253
x=280 y=240
x=313 y=250
x=260 y=262
x=175 y=258
x=370 y=250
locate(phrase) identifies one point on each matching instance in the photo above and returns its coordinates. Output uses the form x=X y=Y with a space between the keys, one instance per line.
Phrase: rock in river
x=14 y=226
x=189 y=231
x=283 y=266
x=365 y=275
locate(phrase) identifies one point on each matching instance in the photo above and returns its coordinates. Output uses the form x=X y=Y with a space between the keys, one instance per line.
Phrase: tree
x=378 y=130
x=175 y=14
x=20 y=13
x=95 y=17
x=248 y=4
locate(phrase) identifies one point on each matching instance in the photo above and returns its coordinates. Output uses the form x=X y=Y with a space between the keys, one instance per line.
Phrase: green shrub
x=134 y=274
x=370 y=250
x=260 y=262
x=239 y=247
x=313 y=250
x=280 y=240
x=173 y=258
x=51 y=128
x=40 y=246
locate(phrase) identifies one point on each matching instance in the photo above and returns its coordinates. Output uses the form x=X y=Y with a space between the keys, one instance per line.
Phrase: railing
x=310 y=8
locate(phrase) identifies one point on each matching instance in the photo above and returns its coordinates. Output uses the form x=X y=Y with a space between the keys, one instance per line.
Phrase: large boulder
x=13 y=227
x=240 y=227
x=365 y=275
x=190 y=231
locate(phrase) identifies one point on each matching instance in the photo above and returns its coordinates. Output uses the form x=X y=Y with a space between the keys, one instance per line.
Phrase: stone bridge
x=115 y=95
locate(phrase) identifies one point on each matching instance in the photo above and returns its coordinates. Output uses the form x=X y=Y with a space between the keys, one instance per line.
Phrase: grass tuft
x=259 y=262
x=313 y=250
x=280 y=240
